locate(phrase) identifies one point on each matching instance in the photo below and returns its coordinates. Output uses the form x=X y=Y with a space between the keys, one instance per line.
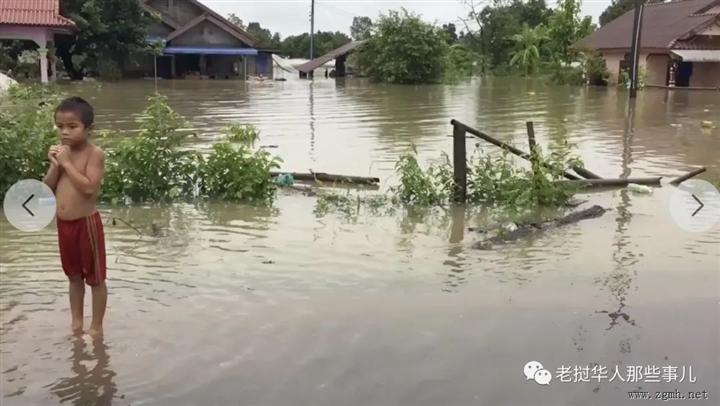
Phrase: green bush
x=566 y=75
x=461 y=63
x=624 y=79
x=595 y=68
x=236 y=171
x=404 y=49
x=433 y=186
x=492 y=179
x=151 y=166
x=27 y=131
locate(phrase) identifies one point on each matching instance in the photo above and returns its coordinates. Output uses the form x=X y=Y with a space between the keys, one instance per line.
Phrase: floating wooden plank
x=687 y=176
x=526 y=230
x=329 y=177
x=620 y=182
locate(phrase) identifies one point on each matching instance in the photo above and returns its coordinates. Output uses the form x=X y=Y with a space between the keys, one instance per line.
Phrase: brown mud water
x=224 y=303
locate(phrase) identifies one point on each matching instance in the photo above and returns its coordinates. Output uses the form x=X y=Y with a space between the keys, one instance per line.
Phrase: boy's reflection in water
x=91 y=382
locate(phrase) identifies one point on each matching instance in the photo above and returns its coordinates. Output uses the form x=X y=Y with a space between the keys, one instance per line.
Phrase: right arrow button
x=699 y=208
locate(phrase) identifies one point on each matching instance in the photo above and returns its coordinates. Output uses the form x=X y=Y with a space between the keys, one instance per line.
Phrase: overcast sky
x=290 y=17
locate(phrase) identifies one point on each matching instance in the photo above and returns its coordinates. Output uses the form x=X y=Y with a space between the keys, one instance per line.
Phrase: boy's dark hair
x=79 y=106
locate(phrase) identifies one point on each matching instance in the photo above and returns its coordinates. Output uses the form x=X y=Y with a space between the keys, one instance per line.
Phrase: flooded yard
x=231 y=304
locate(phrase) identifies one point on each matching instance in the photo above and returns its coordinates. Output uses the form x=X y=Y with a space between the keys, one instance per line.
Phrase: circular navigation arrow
x=29 y=205
x=695 y=205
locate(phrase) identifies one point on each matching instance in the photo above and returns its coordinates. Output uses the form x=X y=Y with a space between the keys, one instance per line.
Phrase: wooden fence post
x=459 y=162
x=533 y=147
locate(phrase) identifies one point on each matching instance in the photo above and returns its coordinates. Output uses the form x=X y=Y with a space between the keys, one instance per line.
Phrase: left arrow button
x=24 y=205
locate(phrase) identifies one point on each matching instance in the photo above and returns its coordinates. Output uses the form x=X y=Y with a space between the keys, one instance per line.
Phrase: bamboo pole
x=687 y=176
x=507 y=147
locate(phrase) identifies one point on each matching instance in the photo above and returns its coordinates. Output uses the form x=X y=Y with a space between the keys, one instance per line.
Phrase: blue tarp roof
x=211 y=51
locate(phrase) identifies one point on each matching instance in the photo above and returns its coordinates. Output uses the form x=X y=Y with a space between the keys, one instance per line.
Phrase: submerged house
x=680 y=44
x=38 y=21
x=198 y=42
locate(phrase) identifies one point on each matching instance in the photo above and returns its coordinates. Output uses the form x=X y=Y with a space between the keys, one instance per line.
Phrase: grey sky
x=290 y=17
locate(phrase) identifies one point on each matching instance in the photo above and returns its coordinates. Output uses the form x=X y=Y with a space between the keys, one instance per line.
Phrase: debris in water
x=642 y=189
x=707 y=124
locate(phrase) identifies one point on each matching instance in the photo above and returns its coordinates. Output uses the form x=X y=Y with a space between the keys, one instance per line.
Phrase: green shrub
x=567 y=75
x=404 y=49
x=27 y=131
x=492 y=179
x=237 y=171
x=461 y=63
x=433 y=186
x=595 y=68
x=151 y=166
x=624 y=79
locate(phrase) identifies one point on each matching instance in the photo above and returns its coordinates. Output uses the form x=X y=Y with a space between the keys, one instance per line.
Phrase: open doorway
x=683 y=73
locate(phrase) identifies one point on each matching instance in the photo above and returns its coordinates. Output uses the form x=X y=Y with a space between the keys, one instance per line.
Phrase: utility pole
x=312 y=27
x=635 y=46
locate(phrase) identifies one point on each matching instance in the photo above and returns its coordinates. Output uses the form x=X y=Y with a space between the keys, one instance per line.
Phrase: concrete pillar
x=203 y=65
x=43 y=64
x=53 y=63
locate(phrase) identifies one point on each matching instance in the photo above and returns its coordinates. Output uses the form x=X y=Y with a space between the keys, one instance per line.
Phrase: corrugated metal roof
x=663 y=24
x=334 y=54
x=44 y=13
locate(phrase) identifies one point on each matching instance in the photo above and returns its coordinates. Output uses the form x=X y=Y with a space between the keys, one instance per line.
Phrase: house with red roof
x=35 y=20
x=680 y=44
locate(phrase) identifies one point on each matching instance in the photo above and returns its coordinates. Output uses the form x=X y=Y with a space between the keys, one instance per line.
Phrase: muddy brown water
x=220 y=304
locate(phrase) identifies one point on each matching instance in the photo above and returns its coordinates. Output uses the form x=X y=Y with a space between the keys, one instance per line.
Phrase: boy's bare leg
x=99 y=302
x=77 y=294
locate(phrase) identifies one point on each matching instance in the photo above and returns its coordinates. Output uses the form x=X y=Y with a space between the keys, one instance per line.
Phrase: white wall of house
x=612 y=62
x=655 y=66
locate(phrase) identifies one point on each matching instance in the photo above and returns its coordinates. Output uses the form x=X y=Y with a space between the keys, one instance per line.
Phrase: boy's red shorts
x=82 y=248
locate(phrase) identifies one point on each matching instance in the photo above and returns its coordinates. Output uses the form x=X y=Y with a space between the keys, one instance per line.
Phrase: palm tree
x=527 y=48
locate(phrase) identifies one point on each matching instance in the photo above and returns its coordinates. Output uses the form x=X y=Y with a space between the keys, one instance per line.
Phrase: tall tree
x=298 y=46
x=108 y=30
x=263 y=36
x=361 y=28
x=233 y=18
x=527 y=48
x=565 y=28
x=451 y=32
x=618 y=8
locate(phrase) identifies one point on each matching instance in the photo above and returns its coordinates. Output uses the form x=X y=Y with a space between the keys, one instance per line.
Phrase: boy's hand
x=62 y=155
x=51 y=155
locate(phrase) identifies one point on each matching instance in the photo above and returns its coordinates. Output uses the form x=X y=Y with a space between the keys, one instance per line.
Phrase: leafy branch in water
x=27 y=131
x=236 y=171
x=493 y=181
x=151 y=166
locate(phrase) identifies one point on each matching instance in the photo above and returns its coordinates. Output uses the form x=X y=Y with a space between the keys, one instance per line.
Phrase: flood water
x=219 y=304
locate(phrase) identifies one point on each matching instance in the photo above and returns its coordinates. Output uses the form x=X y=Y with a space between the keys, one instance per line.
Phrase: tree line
x=505 y=36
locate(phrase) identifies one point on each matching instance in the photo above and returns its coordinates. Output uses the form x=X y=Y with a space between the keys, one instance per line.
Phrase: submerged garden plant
x=152 y=166
x=27 y=131
x=494 y=181
x=235 y=170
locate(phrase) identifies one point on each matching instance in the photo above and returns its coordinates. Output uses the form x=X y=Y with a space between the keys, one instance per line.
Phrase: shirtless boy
x=75 y=174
